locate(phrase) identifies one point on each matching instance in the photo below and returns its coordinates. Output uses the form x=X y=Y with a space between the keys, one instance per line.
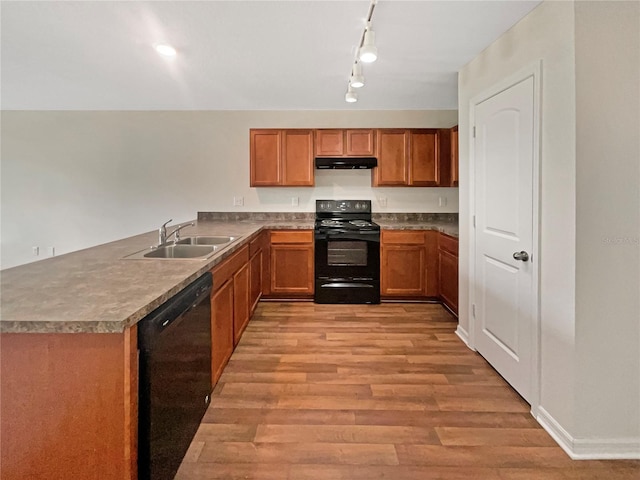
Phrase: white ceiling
x=240 y=55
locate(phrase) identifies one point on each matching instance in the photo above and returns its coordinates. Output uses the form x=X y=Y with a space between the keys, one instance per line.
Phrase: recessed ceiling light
x=166 y=50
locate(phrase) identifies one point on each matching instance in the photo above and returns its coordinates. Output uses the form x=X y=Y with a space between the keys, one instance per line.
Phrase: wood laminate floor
x=356 y=392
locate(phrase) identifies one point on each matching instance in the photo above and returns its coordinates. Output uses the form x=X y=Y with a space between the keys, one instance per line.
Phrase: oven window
x=347 y=253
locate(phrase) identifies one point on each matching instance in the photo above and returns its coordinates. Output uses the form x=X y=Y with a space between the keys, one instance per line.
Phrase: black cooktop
x=344 y=214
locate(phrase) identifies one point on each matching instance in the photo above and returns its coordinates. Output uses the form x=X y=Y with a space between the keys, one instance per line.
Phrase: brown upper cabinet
x=281 y=157
x=345 y=143
x=454 y=157
x=412 y=157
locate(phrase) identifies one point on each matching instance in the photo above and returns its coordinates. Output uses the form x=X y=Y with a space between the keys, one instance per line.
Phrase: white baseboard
x=464 y=336
x=589 y=448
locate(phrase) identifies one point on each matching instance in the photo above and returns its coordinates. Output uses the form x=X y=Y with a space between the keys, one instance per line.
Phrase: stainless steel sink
x=206 y=240
x=176 y=252
x=181 y=251
x=195 y=248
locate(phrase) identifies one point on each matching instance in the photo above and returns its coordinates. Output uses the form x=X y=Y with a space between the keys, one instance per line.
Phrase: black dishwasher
x=175 y=379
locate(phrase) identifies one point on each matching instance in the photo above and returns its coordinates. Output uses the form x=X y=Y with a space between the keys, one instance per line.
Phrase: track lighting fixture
x=350 y=96
x=365 y=53
x=357 y=79
x=368 y=50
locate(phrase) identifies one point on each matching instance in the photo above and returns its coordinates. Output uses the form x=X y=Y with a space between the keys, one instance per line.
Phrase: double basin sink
x=198 y=248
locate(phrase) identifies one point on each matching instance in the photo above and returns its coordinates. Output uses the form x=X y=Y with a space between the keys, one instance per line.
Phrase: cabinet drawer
x=292 y=236
x=225 y=270
x=403 y=237
x=255 y=245
x=448 y=244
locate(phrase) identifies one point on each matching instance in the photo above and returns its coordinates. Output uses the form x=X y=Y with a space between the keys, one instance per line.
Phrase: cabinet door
x=240 y=302
x=448 y=279
x=454 y=157
x=403 y=263
x=360 y=142
x=255 y=280
x=221 y=329
x=265 y=155
x=297 y=158
x=329 y=143
x=403 y=270
x=392 y=147
x=292 y=269
x=424 y=169
x=431 y=262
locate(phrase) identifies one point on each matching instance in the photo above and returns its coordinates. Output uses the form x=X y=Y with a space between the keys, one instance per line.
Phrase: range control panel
x=343 y=206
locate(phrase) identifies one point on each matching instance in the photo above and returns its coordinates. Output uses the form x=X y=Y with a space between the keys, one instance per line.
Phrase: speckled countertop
x=445 y=227
x=97 y=290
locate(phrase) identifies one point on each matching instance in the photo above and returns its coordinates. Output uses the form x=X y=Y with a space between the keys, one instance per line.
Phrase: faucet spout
x=176 y=232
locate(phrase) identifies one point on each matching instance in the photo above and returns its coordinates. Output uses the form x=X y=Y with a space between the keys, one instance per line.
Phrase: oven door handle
x=355 y=233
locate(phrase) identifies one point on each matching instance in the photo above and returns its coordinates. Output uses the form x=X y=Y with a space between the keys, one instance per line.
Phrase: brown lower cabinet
x=291 y=263
x=448 y=271
x=408 y=263
x=221 y=328
x=419 y=264
x=229 y=308
x=241 y=305
x=257 y=249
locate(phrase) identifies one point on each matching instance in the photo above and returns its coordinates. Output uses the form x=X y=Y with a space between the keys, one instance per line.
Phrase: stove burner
x=360 y=223
x=331 y=223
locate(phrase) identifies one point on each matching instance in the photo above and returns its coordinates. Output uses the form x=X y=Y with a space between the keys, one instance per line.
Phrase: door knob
x=524 y=256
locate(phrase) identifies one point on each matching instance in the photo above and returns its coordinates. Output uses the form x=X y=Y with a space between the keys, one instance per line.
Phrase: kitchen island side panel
x=68 y=406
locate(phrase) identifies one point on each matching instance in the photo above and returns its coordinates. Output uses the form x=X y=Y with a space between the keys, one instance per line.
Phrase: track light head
x=368 y=51
x=357 y=79
x=350 y=96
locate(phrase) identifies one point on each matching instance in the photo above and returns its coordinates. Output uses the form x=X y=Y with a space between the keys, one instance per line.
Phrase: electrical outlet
x=442 y=201
x=36 y=251
x=238 y=201
x=382 y=201
x=295 y=201
x=51 y=251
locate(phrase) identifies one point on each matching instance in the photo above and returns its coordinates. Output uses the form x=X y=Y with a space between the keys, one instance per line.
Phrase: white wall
x=77 y=179
x=547 y=34
x=608 y=220
x=590 y=214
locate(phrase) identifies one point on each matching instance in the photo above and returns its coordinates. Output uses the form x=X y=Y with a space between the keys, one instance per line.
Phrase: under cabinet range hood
x=346 y=163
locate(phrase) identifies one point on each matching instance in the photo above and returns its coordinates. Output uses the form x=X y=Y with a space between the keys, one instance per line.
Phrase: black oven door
x=347 y=266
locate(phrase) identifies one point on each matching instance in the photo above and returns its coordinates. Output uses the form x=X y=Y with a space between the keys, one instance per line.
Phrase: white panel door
x=504 y=153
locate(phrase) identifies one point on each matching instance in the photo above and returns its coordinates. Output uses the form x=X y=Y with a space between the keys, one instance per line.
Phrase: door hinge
x=474 y=131
x=473 y=310
x=474 y=221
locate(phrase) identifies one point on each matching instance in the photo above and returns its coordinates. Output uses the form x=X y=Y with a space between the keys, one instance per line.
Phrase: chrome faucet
x=162 y=232
x=176 y=232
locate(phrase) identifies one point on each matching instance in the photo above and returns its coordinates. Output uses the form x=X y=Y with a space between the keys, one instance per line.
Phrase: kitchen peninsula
x=69 y=344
